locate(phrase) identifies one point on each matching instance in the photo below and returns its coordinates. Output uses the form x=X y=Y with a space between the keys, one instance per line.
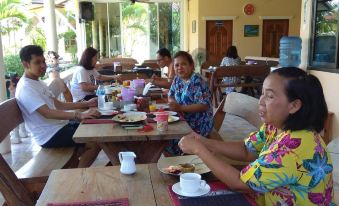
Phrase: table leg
x=146 y=151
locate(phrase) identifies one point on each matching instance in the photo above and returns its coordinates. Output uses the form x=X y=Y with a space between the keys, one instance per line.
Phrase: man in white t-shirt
x=46 y=118
x=164 y=60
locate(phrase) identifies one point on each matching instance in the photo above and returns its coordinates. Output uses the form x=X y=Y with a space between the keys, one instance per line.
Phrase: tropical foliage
x=11 y=15
x=13 y=64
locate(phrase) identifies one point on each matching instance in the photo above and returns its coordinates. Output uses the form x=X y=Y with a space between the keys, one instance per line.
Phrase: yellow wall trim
x=209 y=18
x=275 y=17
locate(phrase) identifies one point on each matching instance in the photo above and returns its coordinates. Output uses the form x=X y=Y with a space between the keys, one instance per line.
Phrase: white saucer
x=169 y=112
x=107 y=109
x=202 y=191
x=132 y=110
x=107 y=112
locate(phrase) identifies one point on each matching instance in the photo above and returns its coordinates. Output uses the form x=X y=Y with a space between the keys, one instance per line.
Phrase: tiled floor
x=23 y=152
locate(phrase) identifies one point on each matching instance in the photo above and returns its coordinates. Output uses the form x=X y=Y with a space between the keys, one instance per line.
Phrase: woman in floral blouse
x=190 y=95
x=289 y=161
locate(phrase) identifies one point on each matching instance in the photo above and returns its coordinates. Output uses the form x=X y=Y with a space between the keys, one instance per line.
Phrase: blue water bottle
x=101 y=96
x=290 y=51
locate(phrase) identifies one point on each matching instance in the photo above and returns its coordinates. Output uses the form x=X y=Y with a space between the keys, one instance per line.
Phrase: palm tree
x=11 y=16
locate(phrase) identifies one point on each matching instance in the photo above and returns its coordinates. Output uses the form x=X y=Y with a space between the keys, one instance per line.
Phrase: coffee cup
x=191 y=183
x=132 y=106
x=108 y=105
x=127 y=108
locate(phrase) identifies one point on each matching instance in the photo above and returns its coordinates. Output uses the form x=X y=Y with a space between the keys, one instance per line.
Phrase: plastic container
x=101 y=97
x=290 y=51
x=127 y=94
x=162 y=121
x=138 y=85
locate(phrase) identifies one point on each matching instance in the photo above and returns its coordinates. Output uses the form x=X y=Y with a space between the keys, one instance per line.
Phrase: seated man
x=164 y=59
x=44 y=114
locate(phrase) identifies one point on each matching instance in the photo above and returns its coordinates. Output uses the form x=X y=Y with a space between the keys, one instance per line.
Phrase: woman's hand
x=91 y=113
x=191 y=143
x=174 y=106
x=92 y=102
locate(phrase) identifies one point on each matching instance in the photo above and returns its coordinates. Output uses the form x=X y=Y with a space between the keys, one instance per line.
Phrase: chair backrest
x=240 y=105
x=10 y=186
x=253 y=71
x=207 y=64
x=131 y=76
x=151 y=63
x=244 y=106
x=119 y=59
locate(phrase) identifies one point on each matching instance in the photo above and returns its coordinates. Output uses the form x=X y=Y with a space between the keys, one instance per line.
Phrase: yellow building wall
x=247 y=46
x=193 y=15
x=330 y=83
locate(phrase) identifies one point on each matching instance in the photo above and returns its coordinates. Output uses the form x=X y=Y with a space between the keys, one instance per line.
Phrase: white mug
x=127 y=108
x=132 y=106
x=191 y=182
x=108 y=105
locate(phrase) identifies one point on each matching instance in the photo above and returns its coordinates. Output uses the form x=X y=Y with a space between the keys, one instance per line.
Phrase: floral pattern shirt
x=292 y=168
x=194 y=91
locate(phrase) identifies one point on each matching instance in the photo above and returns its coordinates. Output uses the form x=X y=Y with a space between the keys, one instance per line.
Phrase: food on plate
x=121 y=117
x=130 y=117
x=181 y=168
x=187 y=167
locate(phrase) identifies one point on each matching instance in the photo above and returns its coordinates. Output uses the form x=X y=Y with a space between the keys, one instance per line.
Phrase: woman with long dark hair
x=231 y=59
x=83 y=84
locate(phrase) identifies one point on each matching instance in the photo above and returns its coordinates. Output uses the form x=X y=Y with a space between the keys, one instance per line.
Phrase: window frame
x=326 y=67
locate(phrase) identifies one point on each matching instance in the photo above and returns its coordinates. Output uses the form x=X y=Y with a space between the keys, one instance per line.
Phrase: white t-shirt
x=81 y=75
x=31 y=95
x=57 y=87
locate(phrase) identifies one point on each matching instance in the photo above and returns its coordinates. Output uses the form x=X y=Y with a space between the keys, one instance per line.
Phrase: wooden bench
x=25 y=186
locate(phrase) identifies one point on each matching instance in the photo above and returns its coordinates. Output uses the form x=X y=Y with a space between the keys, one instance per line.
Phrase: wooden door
x=218 y=39
x=273 y=30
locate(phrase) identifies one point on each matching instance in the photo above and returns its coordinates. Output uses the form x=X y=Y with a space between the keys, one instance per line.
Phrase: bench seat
x=45 y=161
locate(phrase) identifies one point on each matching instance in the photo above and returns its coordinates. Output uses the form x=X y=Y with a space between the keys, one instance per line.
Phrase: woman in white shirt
x=83 y=84
x=231 y=59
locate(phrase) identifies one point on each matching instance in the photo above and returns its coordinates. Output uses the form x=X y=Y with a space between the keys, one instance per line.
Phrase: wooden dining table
x=147 y=187
x=112 y=139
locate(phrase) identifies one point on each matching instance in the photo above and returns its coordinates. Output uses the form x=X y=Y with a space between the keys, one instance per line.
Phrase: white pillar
x=101 y=37
x=95 y=34
x=3 y=93
x=50 y=26
x=79 y=31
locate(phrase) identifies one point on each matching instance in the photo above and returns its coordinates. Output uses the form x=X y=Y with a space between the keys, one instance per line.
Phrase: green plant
x=13 y=64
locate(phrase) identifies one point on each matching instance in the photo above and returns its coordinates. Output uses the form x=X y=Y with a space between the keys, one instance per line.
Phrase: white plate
x=108 y=112
x=130 y=117
x=108 y=109
x=147 y=87
x=171 y=119
x=133 y=110
x=164 y=106
x=202 y=191
x=165 y=162
x=169 y=112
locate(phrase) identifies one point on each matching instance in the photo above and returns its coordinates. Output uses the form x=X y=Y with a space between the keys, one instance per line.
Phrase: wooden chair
x=257 y=73
x=34 y=174
x=151 y=63
x=131 y=76
x=204 y=69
